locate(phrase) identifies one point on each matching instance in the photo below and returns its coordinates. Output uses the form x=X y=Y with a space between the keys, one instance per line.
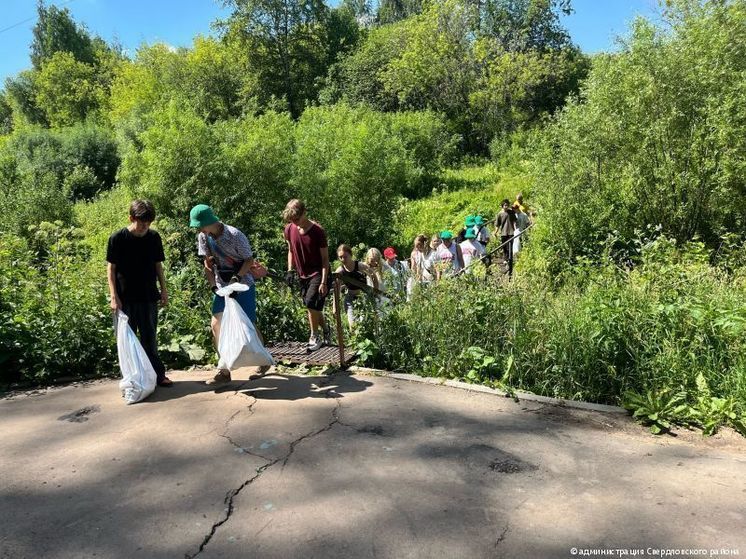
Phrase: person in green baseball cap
x=468 y=224
x=482 y=231
x=450 y=259
x=228 y=258
x=471 y=249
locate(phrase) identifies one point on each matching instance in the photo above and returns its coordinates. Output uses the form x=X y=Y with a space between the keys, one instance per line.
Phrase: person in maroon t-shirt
x=308 y=254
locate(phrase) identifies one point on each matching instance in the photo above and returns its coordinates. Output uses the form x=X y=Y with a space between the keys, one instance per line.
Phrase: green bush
x=657 y=138
x=351 y=170
x=56 y=318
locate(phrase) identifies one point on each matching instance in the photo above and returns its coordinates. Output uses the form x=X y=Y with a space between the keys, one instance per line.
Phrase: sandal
x=166 y=382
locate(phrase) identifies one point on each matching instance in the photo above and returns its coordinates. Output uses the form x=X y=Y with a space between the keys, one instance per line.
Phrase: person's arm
x=111 y=276
x=323 y=288
x=246 y=267
x=209 y=271
x=162 y=283
x=367 y=270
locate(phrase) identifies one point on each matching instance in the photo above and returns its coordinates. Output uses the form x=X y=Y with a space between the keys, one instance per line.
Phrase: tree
x=391 y=11
x=436 y=68
x=20 y=92
x=6 y=115
x=68 y=90
x=517 y=89
x=523 y=25
x=358 y=77
x=55 y=31
x=285 y=41
x=657 y=138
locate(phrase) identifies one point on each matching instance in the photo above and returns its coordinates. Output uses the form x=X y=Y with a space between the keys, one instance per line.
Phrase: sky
x=593 y=26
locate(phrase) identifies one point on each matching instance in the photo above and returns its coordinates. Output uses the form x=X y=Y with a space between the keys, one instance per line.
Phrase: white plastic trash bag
x=516 y=241
x=138 y=376
x=239 y=344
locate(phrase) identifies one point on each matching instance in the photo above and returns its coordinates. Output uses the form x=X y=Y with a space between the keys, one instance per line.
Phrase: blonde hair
x=294 y=209
x=371 y=255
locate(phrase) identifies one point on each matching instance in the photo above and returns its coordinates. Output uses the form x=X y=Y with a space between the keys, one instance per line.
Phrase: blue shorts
x=247 y=300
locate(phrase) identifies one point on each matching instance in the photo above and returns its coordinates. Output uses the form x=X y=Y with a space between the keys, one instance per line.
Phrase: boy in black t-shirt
x=135 y=260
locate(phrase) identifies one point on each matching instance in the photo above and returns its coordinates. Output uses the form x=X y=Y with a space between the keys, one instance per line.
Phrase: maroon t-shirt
x=306 y=248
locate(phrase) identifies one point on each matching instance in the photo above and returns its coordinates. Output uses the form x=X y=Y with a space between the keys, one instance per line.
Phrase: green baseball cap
x=202 y=216
x=479 y=220
x=469 y=221
x=470 y=234
x=445 y=235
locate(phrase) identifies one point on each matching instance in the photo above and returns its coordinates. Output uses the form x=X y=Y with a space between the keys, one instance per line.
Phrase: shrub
x=657 y=138
x=351 y=170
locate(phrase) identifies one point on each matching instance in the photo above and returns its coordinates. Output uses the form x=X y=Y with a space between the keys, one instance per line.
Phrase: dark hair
x=345 y=248
x=506 y=201
x=142 y=210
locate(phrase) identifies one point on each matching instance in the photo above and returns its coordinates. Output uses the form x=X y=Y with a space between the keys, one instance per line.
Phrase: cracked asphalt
x=347 y=467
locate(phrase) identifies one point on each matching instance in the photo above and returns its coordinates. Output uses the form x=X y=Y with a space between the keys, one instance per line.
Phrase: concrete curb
x=487 y=390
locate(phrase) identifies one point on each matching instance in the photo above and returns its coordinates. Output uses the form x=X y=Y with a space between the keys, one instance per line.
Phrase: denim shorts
x=246 y=299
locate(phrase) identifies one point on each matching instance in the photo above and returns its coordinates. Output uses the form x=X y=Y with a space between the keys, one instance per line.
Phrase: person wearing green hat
x=228 y=258
x=471 y=249
x=482 y=231
x=450 y=259
x=468 y=224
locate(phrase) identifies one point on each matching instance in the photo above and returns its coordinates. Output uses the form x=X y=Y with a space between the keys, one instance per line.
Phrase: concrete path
x=351 y=467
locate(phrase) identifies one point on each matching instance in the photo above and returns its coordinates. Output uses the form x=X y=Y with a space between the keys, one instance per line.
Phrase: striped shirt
x=230 y=249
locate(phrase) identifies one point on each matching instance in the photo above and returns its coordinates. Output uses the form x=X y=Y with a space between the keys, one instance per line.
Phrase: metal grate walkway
x=295 y=352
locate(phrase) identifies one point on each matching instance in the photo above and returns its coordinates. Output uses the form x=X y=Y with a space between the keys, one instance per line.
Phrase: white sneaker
x=314 y=343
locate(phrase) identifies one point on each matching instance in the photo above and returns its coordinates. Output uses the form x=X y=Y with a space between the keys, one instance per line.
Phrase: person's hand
x=235 y=279
x=290 y=278
x=115 y=304
x=323 y=289
x=164 y=298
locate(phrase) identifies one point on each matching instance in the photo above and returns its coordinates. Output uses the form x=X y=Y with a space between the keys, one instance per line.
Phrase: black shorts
x=309 y=291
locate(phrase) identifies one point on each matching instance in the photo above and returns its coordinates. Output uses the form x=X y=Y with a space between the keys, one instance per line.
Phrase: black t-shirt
x=135 y=259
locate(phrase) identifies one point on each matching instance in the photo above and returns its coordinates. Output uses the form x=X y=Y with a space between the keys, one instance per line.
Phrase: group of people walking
x=137 y=283
x=432 y=258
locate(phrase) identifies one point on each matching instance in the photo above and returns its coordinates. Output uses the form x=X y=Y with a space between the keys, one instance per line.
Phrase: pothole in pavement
x=498 y=460
x=81 y=415
x=372 y=430
x=509 y=466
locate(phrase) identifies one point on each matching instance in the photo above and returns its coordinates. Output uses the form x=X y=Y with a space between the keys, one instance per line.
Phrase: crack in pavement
x=227 y=437
x=233 y=493
x=504 y=533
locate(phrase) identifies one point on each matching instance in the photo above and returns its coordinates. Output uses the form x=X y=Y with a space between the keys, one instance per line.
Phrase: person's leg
x=350 y=310
x=314 y=302
x=218 y=306
x=148 y=326
x=510 y=259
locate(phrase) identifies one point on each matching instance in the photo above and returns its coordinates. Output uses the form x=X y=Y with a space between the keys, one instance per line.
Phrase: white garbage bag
x=239 y=345
x=516 y=241
x=138 y=376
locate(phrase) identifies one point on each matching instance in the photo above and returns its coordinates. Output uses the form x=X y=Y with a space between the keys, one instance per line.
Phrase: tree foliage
x=657 y=137
x=290 y=45
x=55 y=31
x=68 y=90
